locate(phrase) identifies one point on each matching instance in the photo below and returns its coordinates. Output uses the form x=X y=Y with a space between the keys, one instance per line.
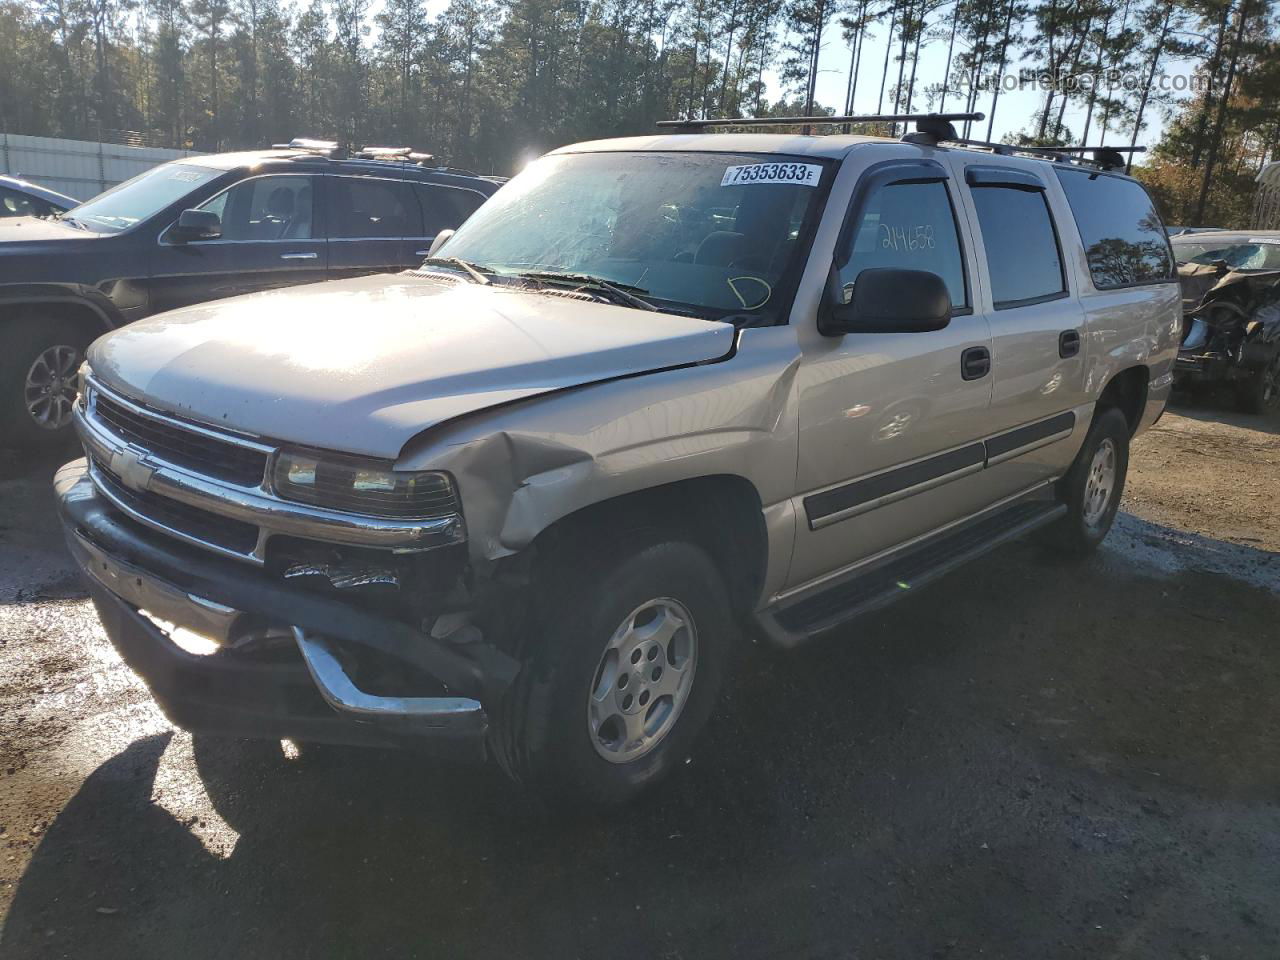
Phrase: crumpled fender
x=521 y=467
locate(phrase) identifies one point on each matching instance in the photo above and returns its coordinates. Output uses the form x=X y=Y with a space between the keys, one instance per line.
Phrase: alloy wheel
x=643 y=680
x=1100 y=484
x=50 y=388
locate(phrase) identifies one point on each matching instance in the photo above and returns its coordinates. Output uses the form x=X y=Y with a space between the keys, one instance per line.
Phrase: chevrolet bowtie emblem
x=131 y=467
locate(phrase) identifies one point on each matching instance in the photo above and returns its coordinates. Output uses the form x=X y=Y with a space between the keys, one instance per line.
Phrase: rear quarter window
x=1124 y=240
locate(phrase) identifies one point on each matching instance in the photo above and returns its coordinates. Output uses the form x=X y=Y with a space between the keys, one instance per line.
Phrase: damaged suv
x=655 y=395
x=1231 y=305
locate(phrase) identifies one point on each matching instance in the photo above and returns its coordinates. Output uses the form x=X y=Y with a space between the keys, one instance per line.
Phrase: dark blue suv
x=198 y=229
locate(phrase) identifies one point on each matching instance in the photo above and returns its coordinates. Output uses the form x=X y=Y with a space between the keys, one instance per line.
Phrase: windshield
x=137 y=199
x=1254 y=255
x=708 y=233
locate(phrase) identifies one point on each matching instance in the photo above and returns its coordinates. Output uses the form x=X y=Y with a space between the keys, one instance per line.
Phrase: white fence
x=78 y=168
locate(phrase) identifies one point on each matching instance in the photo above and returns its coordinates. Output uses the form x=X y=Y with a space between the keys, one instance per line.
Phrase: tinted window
x=444 y=208
x=1121 y=231
x=266 y=208
x=1021 y=247
x=910 y=226
x=364 y=207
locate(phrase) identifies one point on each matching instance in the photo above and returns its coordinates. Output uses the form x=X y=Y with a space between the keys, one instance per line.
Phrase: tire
x=561 y=731
x=1092 y=490
x=1261 y=392
x=31 y=349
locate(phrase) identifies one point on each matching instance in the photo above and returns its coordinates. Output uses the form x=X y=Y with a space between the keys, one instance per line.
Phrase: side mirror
x=196 y=225
x=886 y=300
x=441 y=239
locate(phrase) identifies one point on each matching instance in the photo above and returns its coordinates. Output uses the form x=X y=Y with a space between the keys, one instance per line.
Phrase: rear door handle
x=975 y=363
x=1068 y=343
x=298 y=256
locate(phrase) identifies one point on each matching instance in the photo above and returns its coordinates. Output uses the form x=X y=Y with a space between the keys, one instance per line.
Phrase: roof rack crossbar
x=815 y=121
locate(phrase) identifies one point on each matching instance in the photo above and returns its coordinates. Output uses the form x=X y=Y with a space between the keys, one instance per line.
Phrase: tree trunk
x=1156 y=51
x=1223 y=103
x=951 y=45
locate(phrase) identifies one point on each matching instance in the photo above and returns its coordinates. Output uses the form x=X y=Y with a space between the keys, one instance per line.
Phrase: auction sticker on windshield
x=805 y=174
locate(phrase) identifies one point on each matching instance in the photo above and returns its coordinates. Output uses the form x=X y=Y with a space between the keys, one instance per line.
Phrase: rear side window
x=910 y=226
x=1123 y=237
x=370 y=208
x=445 y=208
x=1021 y=245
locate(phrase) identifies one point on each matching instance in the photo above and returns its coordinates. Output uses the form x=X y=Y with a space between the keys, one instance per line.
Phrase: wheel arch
x=1127 y=391
x=720 y=513
x=28 y=304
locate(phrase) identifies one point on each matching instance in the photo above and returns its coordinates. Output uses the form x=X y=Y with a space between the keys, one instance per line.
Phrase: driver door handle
x=298 y=256
x=975 y=363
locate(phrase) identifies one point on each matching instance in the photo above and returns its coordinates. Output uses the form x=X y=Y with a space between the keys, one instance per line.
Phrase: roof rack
x=1103 y=157
x=694 y=125
x=325 y=148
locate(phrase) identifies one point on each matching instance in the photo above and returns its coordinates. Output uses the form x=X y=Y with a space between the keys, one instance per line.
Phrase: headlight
x=368 y=487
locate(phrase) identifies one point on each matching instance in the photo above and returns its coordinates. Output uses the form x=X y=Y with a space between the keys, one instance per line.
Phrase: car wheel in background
x=39 y=360
x=1093 y=486
x=1261 y=392
x=620 y=676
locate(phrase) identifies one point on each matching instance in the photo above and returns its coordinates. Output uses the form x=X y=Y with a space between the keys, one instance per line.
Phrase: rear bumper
x=302 y=692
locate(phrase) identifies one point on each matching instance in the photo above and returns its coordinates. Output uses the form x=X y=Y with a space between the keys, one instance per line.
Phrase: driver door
x=891 y=423
x=270 y=238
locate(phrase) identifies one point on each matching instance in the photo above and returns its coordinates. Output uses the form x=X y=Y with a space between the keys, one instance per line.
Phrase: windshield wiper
x=585 y=281
x=472 y=269
x=63 y=218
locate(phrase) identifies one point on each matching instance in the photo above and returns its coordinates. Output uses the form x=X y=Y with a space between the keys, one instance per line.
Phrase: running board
x=796 y=619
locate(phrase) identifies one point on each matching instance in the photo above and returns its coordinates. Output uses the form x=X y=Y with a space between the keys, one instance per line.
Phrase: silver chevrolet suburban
x=657 y=395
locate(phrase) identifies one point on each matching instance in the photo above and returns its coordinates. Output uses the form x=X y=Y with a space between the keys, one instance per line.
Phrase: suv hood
x=364 y=365
x=39 y=230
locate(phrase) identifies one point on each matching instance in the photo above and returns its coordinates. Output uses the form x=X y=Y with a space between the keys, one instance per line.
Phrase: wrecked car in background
x=1231 y=315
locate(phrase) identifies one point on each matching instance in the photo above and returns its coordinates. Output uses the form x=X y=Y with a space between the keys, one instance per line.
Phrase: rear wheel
x=1093 y=486
x=39 y=360
x=620 y=677
x=1261 y=392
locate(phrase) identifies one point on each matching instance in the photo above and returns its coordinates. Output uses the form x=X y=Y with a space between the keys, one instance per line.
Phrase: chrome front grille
x=185 y=522
x=184 y=445
x=210 y=488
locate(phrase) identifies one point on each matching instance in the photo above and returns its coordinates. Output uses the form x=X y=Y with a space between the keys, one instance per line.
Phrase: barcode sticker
x=805 y=174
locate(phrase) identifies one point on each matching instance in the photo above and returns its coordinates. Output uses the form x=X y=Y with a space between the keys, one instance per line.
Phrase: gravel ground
x=1036 y=759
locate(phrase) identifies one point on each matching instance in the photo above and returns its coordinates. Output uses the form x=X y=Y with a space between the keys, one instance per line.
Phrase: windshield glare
x=714 y=233
x=135 y=200
x=1241 y=256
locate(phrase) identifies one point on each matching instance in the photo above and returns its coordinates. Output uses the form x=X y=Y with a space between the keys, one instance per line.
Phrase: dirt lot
x=1034 y=759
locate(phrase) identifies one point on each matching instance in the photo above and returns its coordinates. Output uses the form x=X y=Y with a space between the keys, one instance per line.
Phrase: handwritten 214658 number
x=908 y=238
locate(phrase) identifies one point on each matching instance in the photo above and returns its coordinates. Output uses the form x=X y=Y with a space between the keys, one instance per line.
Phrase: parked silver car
x=656 y=394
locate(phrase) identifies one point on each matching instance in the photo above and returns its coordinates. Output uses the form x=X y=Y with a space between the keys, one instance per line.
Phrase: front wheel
x=621 y=675
x=1093 y=486
x=39 y=360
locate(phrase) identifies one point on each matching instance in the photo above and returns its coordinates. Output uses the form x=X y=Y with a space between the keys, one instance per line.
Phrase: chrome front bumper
x=230 y=691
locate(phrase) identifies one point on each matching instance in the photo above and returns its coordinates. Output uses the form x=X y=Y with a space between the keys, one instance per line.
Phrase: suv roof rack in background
x=409 y=155
x=324 y=148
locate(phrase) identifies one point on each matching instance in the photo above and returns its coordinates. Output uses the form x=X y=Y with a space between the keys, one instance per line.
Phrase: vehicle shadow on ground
x=1219 y=407
x=1033 y=758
